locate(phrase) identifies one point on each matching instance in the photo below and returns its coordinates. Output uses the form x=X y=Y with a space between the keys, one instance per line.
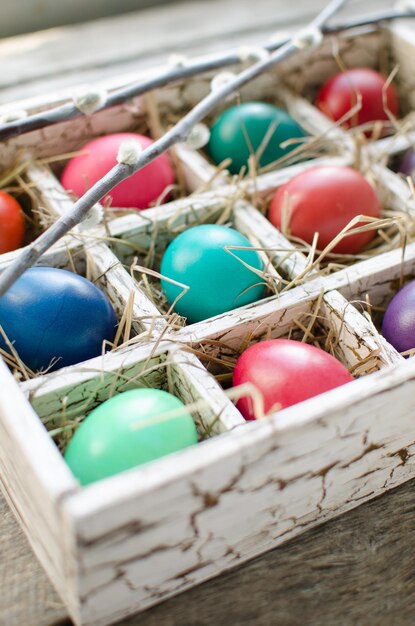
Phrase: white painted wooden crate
x=127 y=542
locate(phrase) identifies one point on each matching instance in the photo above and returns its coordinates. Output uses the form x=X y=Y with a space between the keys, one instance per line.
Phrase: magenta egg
x=100 y=155
x=399 y=320
x=286 y=372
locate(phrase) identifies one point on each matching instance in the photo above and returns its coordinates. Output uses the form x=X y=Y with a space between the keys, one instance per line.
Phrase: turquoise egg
x=128 y=430
x=218 y=280
x=240 y=130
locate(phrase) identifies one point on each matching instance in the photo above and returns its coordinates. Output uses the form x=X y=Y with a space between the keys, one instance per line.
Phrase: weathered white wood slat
x=383 y=149
x=393 y=191
x=33 y=478
x=378 y=277
x=193 y=383
x=402 y=42
x=108 y=273
x=73 y=392
x=64 y=253
x=272 y=317
x=54 y=198
x=198 y=172
x=284 y=256
x=358 y=341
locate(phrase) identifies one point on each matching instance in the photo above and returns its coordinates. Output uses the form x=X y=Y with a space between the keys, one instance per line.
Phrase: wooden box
x=128 y=542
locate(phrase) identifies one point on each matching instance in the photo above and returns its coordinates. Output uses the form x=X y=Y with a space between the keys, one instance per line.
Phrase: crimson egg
x=286 y=372
x=359 y=88
x=325 y=199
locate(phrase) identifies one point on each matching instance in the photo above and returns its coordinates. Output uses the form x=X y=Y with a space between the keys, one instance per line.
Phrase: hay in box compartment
x=316 y=143
x=379 y=281
x=98 y=265
x=140 y=243
x=383 y=51
x=16 y=181
x=394 y=227
x=134 y=539
x=103 y=381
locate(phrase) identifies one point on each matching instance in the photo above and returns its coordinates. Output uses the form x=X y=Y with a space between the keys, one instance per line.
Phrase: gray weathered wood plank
x=61 y=57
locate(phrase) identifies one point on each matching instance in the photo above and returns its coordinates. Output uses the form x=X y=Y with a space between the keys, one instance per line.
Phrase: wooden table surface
x=356 y=570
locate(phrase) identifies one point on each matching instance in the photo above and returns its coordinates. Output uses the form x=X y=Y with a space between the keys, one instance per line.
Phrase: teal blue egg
x=218 y=280
x=241 y=130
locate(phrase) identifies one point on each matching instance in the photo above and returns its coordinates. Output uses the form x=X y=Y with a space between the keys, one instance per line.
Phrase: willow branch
x=307 y=38
x=168 y=75
x=382 y=17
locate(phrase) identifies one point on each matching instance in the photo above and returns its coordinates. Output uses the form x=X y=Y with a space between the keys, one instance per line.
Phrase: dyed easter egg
x=398 y=325
x=11 y=223
x=243 y=129
x=407 y=164
x=340 y=94
x=324 y=199
x=100 y=155
x=218 y=280
x=54 y=315
x=128 y=430
x=286 y=372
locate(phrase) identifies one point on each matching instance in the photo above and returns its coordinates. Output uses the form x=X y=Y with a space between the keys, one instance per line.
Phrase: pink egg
x=286 y=372
x=100 y=155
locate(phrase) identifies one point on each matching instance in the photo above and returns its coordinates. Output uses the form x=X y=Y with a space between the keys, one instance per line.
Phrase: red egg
x=100 y=155
x=339 y=95
x=286 y=372
x=11 y=223
x=324 y=199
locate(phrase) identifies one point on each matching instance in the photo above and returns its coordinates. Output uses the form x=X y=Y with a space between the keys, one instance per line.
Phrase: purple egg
x=399 y=321
x=407 y=164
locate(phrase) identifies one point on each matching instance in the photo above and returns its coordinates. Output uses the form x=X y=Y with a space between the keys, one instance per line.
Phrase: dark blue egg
x=399 y=320
x=50 y=315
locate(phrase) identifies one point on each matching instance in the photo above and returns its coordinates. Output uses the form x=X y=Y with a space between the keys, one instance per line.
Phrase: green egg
x=218 y=280
x=240 y=131
x=128 y=430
